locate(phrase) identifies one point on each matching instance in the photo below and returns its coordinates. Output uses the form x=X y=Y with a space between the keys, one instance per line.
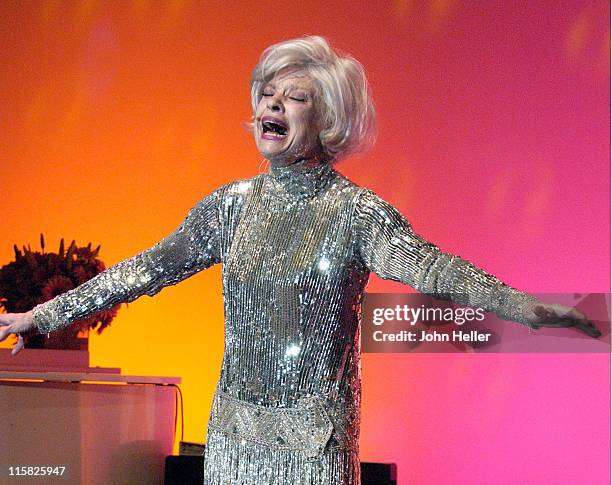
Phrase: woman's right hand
x=18 y=324
x=540 y=314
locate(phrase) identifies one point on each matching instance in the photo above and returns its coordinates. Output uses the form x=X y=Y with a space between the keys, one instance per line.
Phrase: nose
x=275 y=104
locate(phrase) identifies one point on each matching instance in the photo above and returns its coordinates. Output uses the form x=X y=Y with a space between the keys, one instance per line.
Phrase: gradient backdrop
x=117 y=117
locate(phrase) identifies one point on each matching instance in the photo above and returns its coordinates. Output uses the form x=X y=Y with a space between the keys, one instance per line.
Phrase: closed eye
x=294 y=98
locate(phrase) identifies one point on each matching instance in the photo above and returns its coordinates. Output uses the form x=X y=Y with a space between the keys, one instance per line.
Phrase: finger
x=18 y=346
x=583 y=323
x=588 y=328
x=558 y=316
x=5 y=319
x=557 y=322
x=5 y=332
x=578 y=315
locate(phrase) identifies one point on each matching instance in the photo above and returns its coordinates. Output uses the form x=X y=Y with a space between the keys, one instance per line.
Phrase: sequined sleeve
x=387 y=245
x=192 y=247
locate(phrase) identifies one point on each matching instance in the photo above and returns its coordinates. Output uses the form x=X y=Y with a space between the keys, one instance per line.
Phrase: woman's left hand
x=558 y=316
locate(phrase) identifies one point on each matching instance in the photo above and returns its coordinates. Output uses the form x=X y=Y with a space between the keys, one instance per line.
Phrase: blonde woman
x=297 y=244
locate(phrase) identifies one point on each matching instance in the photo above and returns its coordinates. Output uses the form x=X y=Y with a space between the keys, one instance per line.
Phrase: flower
x=56 y=285
x=80 y=273
x=35 y=277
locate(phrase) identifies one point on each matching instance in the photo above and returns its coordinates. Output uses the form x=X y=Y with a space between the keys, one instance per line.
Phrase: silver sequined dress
x=297 y=245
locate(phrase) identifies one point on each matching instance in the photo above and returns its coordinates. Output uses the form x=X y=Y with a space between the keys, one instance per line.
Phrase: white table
x=105 y=428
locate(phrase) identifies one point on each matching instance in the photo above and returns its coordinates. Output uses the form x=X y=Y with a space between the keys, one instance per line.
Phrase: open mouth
x=272 y=128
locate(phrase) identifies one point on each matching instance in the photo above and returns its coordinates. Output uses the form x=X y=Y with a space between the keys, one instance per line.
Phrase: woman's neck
x=300 y=180
x=302 y=163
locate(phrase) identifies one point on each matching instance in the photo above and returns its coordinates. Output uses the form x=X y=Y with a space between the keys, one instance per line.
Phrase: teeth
x=273 y=127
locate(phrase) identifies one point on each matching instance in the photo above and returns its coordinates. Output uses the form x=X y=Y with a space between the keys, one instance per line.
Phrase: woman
x=297 y=244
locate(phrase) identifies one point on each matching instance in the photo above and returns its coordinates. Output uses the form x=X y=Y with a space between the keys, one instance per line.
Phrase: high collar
x=300 y=180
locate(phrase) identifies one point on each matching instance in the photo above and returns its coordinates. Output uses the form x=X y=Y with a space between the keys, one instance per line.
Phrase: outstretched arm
x=192 y=247
x=389 y=247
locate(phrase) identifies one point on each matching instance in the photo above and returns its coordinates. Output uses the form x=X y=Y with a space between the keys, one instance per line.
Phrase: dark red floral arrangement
x=35 y=277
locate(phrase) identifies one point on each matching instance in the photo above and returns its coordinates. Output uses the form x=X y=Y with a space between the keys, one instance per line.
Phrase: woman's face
x=287 y=124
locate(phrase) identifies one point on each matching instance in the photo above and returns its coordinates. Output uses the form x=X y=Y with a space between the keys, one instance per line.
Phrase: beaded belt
x=306 y=427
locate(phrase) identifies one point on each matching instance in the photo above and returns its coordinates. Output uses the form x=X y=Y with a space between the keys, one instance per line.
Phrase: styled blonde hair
x=344 y=101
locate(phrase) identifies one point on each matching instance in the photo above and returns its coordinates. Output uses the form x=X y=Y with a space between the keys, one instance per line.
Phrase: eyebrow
x=290 y=87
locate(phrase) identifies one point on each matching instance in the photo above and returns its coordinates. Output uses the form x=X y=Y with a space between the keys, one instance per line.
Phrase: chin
x=271 y=154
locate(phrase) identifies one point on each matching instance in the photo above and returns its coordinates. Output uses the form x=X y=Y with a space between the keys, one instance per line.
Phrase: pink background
x=494 y=142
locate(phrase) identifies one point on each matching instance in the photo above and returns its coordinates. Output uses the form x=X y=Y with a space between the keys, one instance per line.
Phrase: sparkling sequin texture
x=297 y=246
